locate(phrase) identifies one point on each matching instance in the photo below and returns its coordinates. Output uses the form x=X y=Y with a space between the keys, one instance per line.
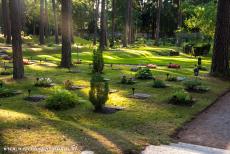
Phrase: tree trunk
x=22 y=10
x=113 y=23
x=6 y=20
x=96 y=9
x=55 y=22
x=179 y=20
x=158 y=20
x=42 y=23
x=220 y=61
x=71 y=23
x=130 y=21
x=127 y=38
x=46 y=20
x=18 y=67
x=126 y=25
x=66 y=61
x=103 y=28
x=132 y=27
x=4 y=4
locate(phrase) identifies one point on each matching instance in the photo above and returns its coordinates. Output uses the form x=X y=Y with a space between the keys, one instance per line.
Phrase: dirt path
x=211 y=128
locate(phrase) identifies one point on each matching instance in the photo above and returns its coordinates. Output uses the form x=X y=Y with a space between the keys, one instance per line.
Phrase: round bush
x=144 y=73
x=181 y=98
x=61 y=100
x=159 y=84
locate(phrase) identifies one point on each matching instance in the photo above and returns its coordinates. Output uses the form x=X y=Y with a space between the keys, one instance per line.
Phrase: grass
x=152 y=121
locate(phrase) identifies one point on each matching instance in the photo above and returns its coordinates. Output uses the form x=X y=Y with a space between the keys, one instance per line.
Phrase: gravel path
x=211 y=128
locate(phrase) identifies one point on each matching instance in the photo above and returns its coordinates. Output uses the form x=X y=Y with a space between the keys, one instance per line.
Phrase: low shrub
x=44 y=82
x=195 y=86
x=61 y=100
x=181 y=98
x=144 y=73
x=99 y=92
x=129 y=81
x=191 y=84
x=5 y=92
x=159 y=84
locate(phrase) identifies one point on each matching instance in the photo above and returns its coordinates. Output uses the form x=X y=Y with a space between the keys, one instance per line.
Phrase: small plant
x=129 y=81
x=181 y=98
x=191 y=84
x=195 y=86
x=99 y=91
x=144 y=73
x=44 y=82
x=61 y=100
x=68 y=84
x=5 y=92
x=159 y=84
x=124 y=80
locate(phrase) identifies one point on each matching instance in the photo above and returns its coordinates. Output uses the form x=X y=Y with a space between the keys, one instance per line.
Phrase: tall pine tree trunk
x=18 y=67
x=42 y=23
x=130 y=21
x=220 y=59
x=46 y=20
x=6 y=20
x=179 y=20
x=103 y=26
x=4 y=16
x=158 y=20
x=66 y=61
x=113 y=23
x=22 y=10
x=127 y=36
x=96 y=9
x=126 y=25
x=55 y=22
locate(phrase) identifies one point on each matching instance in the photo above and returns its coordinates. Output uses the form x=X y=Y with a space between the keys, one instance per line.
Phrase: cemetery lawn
x=142 y=122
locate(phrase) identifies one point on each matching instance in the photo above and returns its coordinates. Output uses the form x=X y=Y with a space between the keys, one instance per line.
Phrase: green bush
x=61 y=100
x=144 y=73
x=98 y=61
x=129 y=81
x=99 y=91
x=195 y=86
x=5 y=92
x=191 y=84
x=181 y=98
x=159 y=84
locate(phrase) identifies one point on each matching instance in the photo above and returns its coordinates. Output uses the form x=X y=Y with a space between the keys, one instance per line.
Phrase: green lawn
x=145 y=122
